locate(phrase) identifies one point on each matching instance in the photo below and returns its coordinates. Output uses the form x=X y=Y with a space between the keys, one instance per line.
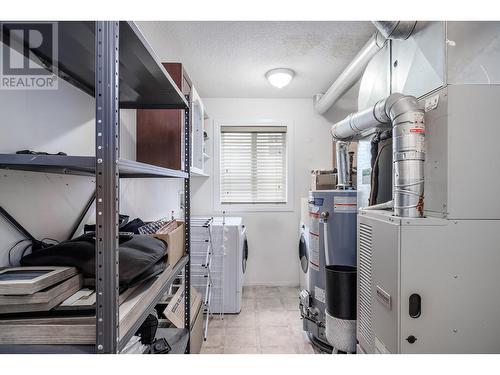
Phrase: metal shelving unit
x=113 y=62
x=83 y=166
x=148 y=302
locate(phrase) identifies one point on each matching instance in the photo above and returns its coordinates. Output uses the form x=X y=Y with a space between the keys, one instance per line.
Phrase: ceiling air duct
x=386 y=30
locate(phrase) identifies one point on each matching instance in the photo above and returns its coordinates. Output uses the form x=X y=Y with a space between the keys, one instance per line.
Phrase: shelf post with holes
x=187 y=226
x=107 y=184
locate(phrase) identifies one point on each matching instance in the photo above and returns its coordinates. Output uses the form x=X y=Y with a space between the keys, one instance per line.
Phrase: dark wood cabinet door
x=160 y=132
x=159 y=137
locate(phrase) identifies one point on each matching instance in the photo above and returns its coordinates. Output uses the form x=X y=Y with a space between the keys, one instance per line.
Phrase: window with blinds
x=253 y=167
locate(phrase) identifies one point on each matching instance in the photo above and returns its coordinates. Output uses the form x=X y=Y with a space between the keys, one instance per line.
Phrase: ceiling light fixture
x=280 y=77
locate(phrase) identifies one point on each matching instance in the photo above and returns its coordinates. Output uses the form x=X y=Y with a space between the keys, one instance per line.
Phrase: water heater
x=339 y=230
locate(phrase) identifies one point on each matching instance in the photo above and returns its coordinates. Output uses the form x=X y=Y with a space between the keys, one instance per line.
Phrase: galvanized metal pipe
x=395 y=29
x=342 y=150
x=408 y=146
x=353 y=72
x=357 y=123
x=408 y=154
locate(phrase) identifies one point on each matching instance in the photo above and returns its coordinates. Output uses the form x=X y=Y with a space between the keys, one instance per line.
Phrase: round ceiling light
x=280 y=77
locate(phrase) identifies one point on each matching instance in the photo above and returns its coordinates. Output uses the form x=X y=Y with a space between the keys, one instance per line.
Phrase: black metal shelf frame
x=107 y=43
x=144 y=82
x=126 y=336
x=187 y=227
x=176 y=337
x=112 y=61
x=83 y=166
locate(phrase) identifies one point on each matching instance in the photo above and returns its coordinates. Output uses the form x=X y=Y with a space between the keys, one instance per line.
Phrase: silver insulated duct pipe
x=408 y=146
x=395 y=29
x=342 y=153
x=352 y=73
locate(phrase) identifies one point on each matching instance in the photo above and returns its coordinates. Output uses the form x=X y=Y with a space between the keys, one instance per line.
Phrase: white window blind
x=253 y=164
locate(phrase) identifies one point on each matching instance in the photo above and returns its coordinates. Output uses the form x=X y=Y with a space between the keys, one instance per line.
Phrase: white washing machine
x=235 y=261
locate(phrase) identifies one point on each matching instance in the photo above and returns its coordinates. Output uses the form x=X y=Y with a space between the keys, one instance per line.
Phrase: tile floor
x=269 y=323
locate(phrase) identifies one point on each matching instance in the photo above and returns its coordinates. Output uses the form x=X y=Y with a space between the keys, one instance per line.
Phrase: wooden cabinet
x=160 y=132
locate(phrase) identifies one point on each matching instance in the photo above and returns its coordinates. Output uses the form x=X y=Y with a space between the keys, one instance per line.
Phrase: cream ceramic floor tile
x=216 y=322
x=267 y=292
x=288 y=349
x=299 y=337
x=247 y=304
x=268 y=304
x=249 y=292
x=288 y=292
x=274 y=336
x=270 y=318
x=293 y=316
x=240 y=337
x=305 y=348
x=269 y=323
x=295 y=322
x=242 y=350
x=215 y=337
x=241 y=320
x=297 y=329
x=290 y=304
x=209 y=350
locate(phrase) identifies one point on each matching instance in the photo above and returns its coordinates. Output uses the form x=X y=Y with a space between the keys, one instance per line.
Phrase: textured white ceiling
x=229 y=59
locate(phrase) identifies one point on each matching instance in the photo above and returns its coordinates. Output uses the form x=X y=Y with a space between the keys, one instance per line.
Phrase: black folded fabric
x=140 y=257
x=133 y=226
x=125 y=226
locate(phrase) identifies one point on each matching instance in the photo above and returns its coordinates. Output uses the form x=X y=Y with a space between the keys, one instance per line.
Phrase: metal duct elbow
x=395 y=29
x=408 y=146
x=408 y=154
x=342 y=150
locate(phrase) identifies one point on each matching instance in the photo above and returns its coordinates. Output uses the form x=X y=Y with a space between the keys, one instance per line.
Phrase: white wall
x=273 y=236
x=49 y=204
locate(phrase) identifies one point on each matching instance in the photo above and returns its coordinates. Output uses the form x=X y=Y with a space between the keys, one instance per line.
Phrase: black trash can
x=341 y=291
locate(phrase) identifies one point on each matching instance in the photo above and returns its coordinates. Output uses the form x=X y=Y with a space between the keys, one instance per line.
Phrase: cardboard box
x=323 y=180
x=175 y=309
x=196 y=340
x=175 y=313
x=175 y=241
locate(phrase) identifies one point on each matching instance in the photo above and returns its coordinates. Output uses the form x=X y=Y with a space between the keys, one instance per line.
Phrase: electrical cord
x=17 y=244
x=26 y=249
x=50 y=239
x=28 y=246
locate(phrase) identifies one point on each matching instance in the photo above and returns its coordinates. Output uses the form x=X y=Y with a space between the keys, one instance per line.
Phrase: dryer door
x=303 y=251
x=244 y=257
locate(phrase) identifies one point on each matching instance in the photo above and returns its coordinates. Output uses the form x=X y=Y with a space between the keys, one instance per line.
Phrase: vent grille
x=365 y=283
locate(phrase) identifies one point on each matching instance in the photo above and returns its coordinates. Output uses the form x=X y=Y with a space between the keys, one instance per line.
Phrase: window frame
x=254 y=207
